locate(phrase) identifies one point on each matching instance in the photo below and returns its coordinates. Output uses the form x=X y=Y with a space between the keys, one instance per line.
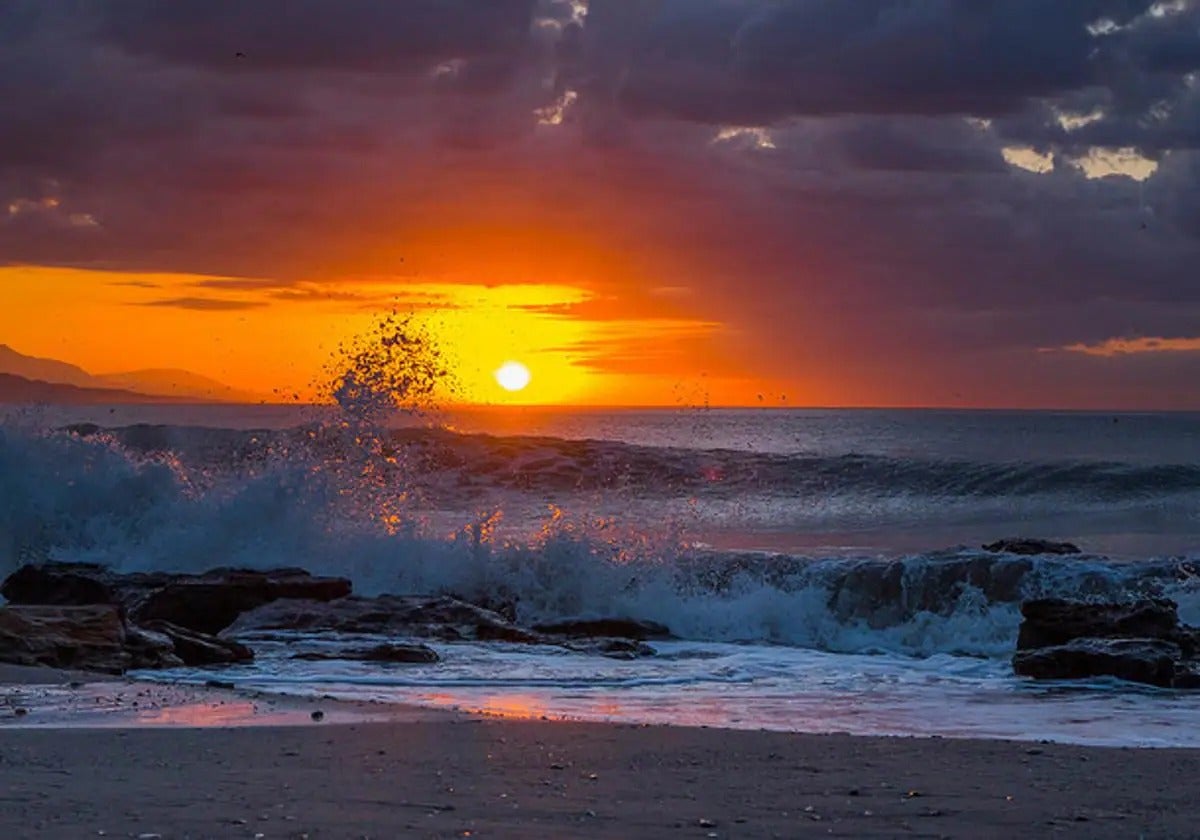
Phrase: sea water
x=821 y=569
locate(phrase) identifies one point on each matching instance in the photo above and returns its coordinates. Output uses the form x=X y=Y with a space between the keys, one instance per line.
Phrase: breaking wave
x=338 y=500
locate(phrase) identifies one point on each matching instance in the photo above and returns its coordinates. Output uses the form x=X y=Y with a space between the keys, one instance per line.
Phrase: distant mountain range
x=33 y=379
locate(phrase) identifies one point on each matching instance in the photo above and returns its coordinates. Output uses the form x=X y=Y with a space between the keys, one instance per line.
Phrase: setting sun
x=512 y=376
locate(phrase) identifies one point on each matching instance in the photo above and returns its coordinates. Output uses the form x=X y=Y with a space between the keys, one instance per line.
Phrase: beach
x=422 y=773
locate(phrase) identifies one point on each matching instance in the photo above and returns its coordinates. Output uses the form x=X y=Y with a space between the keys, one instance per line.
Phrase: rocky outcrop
x=87 y=638
x=199 y=649
x=1054 y=621
x=392 y=652
x=437 y=617
x=1141 y=641
x=1031 y=547
x=1150 y=661
x=206 y=603
x=447 y=619
x=212 y=601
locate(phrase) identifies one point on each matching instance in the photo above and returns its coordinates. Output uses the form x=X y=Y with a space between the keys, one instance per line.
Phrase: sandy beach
x=422 y=773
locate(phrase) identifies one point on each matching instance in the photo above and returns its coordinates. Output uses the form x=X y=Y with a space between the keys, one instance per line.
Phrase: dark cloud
x=826 y=178
x=199 y=304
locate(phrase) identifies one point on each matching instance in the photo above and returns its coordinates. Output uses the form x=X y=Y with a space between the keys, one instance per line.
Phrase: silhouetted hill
x=18 y=389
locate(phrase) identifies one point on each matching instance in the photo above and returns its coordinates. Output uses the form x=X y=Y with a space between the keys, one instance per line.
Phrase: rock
x=1026 y=546
x=438 y=617
x=208 y=602
x=60 y=584
x=392 y=652
x=614 y=628
x=1053 y=621
x=150 y=650
x=887 y=593
x=87 y=638
x=1150 y=661
x=612 y=648
x=198 y=649
x=1187 y=675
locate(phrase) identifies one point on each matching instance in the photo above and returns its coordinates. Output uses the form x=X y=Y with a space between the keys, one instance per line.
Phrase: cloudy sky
x=836 y=202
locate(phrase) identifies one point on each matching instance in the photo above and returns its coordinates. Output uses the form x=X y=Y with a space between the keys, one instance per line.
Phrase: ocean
x=822 y=570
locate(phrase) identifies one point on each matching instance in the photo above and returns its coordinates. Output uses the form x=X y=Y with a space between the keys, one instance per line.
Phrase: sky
x=978 y=203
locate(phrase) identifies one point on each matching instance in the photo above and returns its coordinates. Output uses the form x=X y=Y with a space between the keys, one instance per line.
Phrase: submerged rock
x=1027 y=546
x=611 y=648
x=391 y=652
x=207 y=602
x=1150 y=661
x=615 y=628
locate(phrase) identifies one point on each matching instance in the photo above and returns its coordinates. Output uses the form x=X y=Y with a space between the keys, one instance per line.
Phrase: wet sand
x=187 y=762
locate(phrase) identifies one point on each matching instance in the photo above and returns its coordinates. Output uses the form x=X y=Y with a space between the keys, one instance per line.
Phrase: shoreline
x=412 y=771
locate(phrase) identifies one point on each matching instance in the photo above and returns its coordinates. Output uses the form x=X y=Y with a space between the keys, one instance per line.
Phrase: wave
x=335 y=502
x=550 y=465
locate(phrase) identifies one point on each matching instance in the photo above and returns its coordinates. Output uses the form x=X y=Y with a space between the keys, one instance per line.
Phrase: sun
x=512 y=376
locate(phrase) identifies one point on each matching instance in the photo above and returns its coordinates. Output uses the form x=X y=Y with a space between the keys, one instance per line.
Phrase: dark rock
x=1150 y=661
x=379 y=653
x=198 y=649
x=612 y=648
x=59 y=584
x=438 y=617
x=1026 y=546
x=87 y=638
x=207 y=603
x=615 y=628
x=149 y=649
x=886 y=593
x=1187 y=675
x=212 y=601
x=1053 y=621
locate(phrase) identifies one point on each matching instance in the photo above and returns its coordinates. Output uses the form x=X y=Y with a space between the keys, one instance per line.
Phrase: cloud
x=839 y=184
x=199 y=304
x=1129 y=346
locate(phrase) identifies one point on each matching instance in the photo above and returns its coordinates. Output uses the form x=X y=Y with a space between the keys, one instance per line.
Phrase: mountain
x=175 y=383
x=47 y=370
x=18 y=389
x=151 y=382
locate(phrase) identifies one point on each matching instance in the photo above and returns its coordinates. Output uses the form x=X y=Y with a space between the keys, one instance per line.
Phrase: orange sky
x=276 y=339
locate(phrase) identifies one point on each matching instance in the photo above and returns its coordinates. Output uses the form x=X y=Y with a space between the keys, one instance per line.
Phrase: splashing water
x=396 y=367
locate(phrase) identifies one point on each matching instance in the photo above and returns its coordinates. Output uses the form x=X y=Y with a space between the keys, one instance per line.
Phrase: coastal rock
x=1150 y=661
x=391 y=652
x=1030 y=547
x=150 y=650
x=206 y=603
x=886 y=593
x=87 y=638
x=1054 y=621
x=614 y=628
x=1141 y=641
x=438 y=617
x=198 y=649
x=60 y=584
x=611 y=648
x=212 y=601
